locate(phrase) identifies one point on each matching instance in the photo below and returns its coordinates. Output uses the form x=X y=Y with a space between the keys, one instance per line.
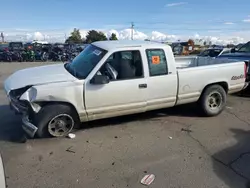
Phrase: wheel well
x=42 y=104
x=224 y=85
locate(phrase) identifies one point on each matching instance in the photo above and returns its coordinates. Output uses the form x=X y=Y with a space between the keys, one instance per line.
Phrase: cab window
x=157 y=62
x=123 y=65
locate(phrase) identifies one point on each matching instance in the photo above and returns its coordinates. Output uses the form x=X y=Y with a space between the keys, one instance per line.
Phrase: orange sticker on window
x=155 y=59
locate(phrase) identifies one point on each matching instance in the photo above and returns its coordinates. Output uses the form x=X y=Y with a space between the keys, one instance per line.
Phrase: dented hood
x=37 y=76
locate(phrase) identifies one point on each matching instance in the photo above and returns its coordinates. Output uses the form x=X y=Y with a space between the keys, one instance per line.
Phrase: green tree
x=113 y=37
x=75 y=37
x=94 y=36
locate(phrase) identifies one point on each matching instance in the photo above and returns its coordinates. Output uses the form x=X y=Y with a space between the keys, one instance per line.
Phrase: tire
x=63 y=59
x=49 y=114
x=32 y=59
x=45 y=57
x=20 y=59
x=213 y=100
x=9 y=59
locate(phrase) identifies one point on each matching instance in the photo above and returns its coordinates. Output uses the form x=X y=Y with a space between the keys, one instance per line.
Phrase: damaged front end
x=21 y=102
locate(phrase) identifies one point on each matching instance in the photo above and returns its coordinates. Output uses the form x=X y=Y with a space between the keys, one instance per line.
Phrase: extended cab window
x=157 y=62
x=123 y=65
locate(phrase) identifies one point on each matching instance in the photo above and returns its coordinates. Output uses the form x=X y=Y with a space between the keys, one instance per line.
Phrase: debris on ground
x=113 y=163
x=40 y=157
x=171 y=138
x=186 y=130
x=28 y=147
x=228 y=107
x=70 y=150
x=116 y=136
x=148 y=179
x=71 y=135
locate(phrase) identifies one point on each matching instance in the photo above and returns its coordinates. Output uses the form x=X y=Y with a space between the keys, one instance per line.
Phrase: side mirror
x=233 y=50
x=99 y=80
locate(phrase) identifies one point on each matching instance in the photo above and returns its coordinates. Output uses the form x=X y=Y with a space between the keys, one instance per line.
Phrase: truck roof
x=108 y=45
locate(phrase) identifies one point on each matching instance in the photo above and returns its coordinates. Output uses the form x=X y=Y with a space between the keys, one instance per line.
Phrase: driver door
x=121 y=96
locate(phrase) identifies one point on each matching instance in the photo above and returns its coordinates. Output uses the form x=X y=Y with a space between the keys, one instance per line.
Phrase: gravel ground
x=180 y=148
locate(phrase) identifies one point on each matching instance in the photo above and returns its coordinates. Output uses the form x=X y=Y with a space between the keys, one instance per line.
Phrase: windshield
x=85 y=62
x=245 y=48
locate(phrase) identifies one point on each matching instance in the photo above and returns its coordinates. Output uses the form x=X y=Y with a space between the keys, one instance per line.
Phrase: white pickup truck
x=114 y=78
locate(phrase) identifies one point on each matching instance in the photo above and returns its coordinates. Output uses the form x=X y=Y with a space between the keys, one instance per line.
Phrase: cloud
x=228 y=23
x=246 y=20
x=175 y=4
x=224 y=40
x=158 y=36
x=125 y=34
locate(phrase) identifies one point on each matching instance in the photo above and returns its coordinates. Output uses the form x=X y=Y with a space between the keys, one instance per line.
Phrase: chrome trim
x=246 y=85
x=28 y=127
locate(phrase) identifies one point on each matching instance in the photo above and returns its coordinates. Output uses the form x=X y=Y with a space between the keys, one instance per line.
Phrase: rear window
x=157 y=62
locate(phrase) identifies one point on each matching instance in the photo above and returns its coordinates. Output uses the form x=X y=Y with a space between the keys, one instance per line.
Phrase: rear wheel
x=213 y=100
x=55 y=121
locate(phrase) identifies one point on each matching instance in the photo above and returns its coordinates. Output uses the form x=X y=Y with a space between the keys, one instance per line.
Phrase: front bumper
x=27 y=125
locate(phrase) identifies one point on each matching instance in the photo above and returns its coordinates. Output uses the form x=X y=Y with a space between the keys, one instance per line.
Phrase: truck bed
x=192 y=79
x=188 y=62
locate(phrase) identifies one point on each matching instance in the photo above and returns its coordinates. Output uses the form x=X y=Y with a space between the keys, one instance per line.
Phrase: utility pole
x=2 y=36
x=132 y=31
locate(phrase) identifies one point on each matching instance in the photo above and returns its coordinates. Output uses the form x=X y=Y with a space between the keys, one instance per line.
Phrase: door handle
x=142 y=86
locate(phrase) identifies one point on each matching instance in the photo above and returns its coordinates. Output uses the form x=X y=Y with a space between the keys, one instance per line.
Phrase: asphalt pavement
x=182 y=149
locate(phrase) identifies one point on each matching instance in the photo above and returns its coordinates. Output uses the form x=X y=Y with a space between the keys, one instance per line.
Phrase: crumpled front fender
x=30 y=96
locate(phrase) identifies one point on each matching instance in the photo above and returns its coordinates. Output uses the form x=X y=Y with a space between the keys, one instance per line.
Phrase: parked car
x=214 y=52
x=3 y=49
x=114 y=78
x=241 y=54
x=16 y=46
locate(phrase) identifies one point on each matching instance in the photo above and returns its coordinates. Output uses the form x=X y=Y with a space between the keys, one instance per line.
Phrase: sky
x=53 y=20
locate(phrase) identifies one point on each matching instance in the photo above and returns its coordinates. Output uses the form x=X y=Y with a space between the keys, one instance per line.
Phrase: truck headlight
x=29 y=95
x=32 y=93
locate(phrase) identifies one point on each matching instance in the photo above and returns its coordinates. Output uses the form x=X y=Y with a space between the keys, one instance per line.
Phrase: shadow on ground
x=244 y=93
x=10 y=125
x=232 y=165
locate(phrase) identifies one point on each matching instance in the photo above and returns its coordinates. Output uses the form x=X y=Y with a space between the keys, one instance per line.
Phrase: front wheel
x=55 y=121
x=213 y=100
